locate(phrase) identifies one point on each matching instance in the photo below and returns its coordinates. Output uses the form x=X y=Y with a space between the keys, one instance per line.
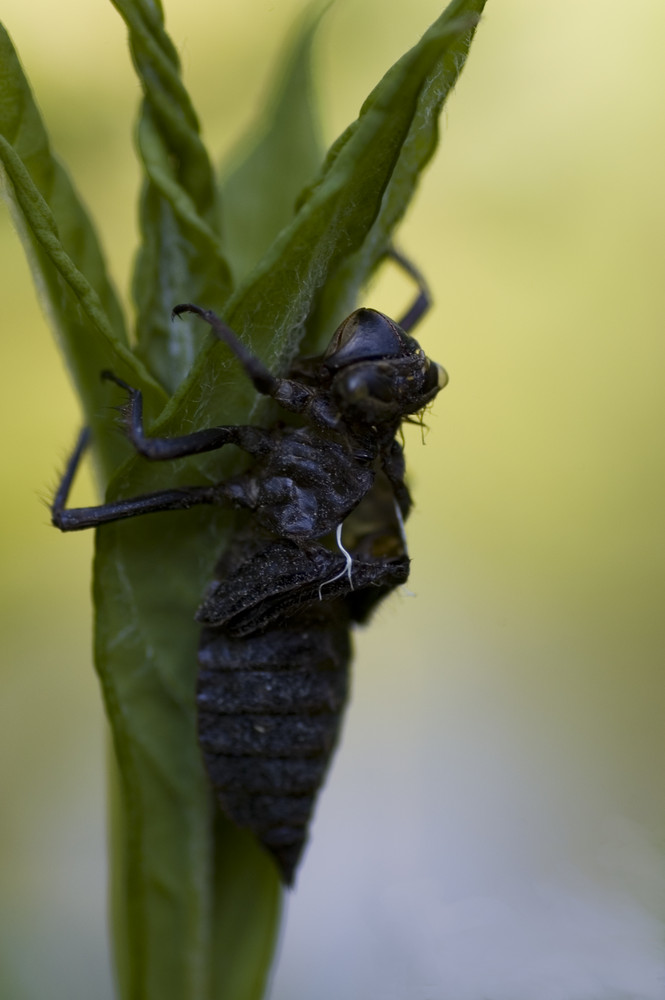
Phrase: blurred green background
x=493 y=826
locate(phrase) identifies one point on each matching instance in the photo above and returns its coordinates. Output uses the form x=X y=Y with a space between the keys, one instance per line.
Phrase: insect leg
x=78 y=518
x=251 y=439
x=263 y=379
x=423 y=301
x=290 y=394
x=394 y=468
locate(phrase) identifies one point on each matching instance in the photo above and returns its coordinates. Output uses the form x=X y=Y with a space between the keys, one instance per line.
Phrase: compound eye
x=366 y=335
x=368 y=383
x=436 y=377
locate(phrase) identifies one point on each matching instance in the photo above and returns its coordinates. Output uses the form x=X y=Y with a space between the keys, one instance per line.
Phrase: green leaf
x=371 y=166
x=196 y=902
x=181 y=256
x=168 y=900
x=457 y=25
x=191 y=895
x=261 y=187
x=247 y=902
x=65 y=257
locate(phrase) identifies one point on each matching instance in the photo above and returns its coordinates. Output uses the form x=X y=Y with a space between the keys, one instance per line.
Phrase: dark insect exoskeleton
x=325 y=545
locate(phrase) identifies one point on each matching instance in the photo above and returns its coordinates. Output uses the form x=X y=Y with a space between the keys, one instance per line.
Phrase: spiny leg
x=394 y=468
x=179 y=498
x=289 y=393
x=264 y=381
x=73 y=462
x=253 y=440
x=423 y=301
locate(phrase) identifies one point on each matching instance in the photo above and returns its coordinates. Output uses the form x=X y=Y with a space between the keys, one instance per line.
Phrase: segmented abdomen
x=270 y=706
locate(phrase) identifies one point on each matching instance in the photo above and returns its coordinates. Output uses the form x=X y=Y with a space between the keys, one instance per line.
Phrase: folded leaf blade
x=65 y=256
x=180 y=257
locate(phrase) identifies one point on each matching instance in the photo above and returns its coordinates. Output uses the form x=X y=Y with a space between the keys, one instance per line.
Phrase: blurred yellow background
x=493 y=826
